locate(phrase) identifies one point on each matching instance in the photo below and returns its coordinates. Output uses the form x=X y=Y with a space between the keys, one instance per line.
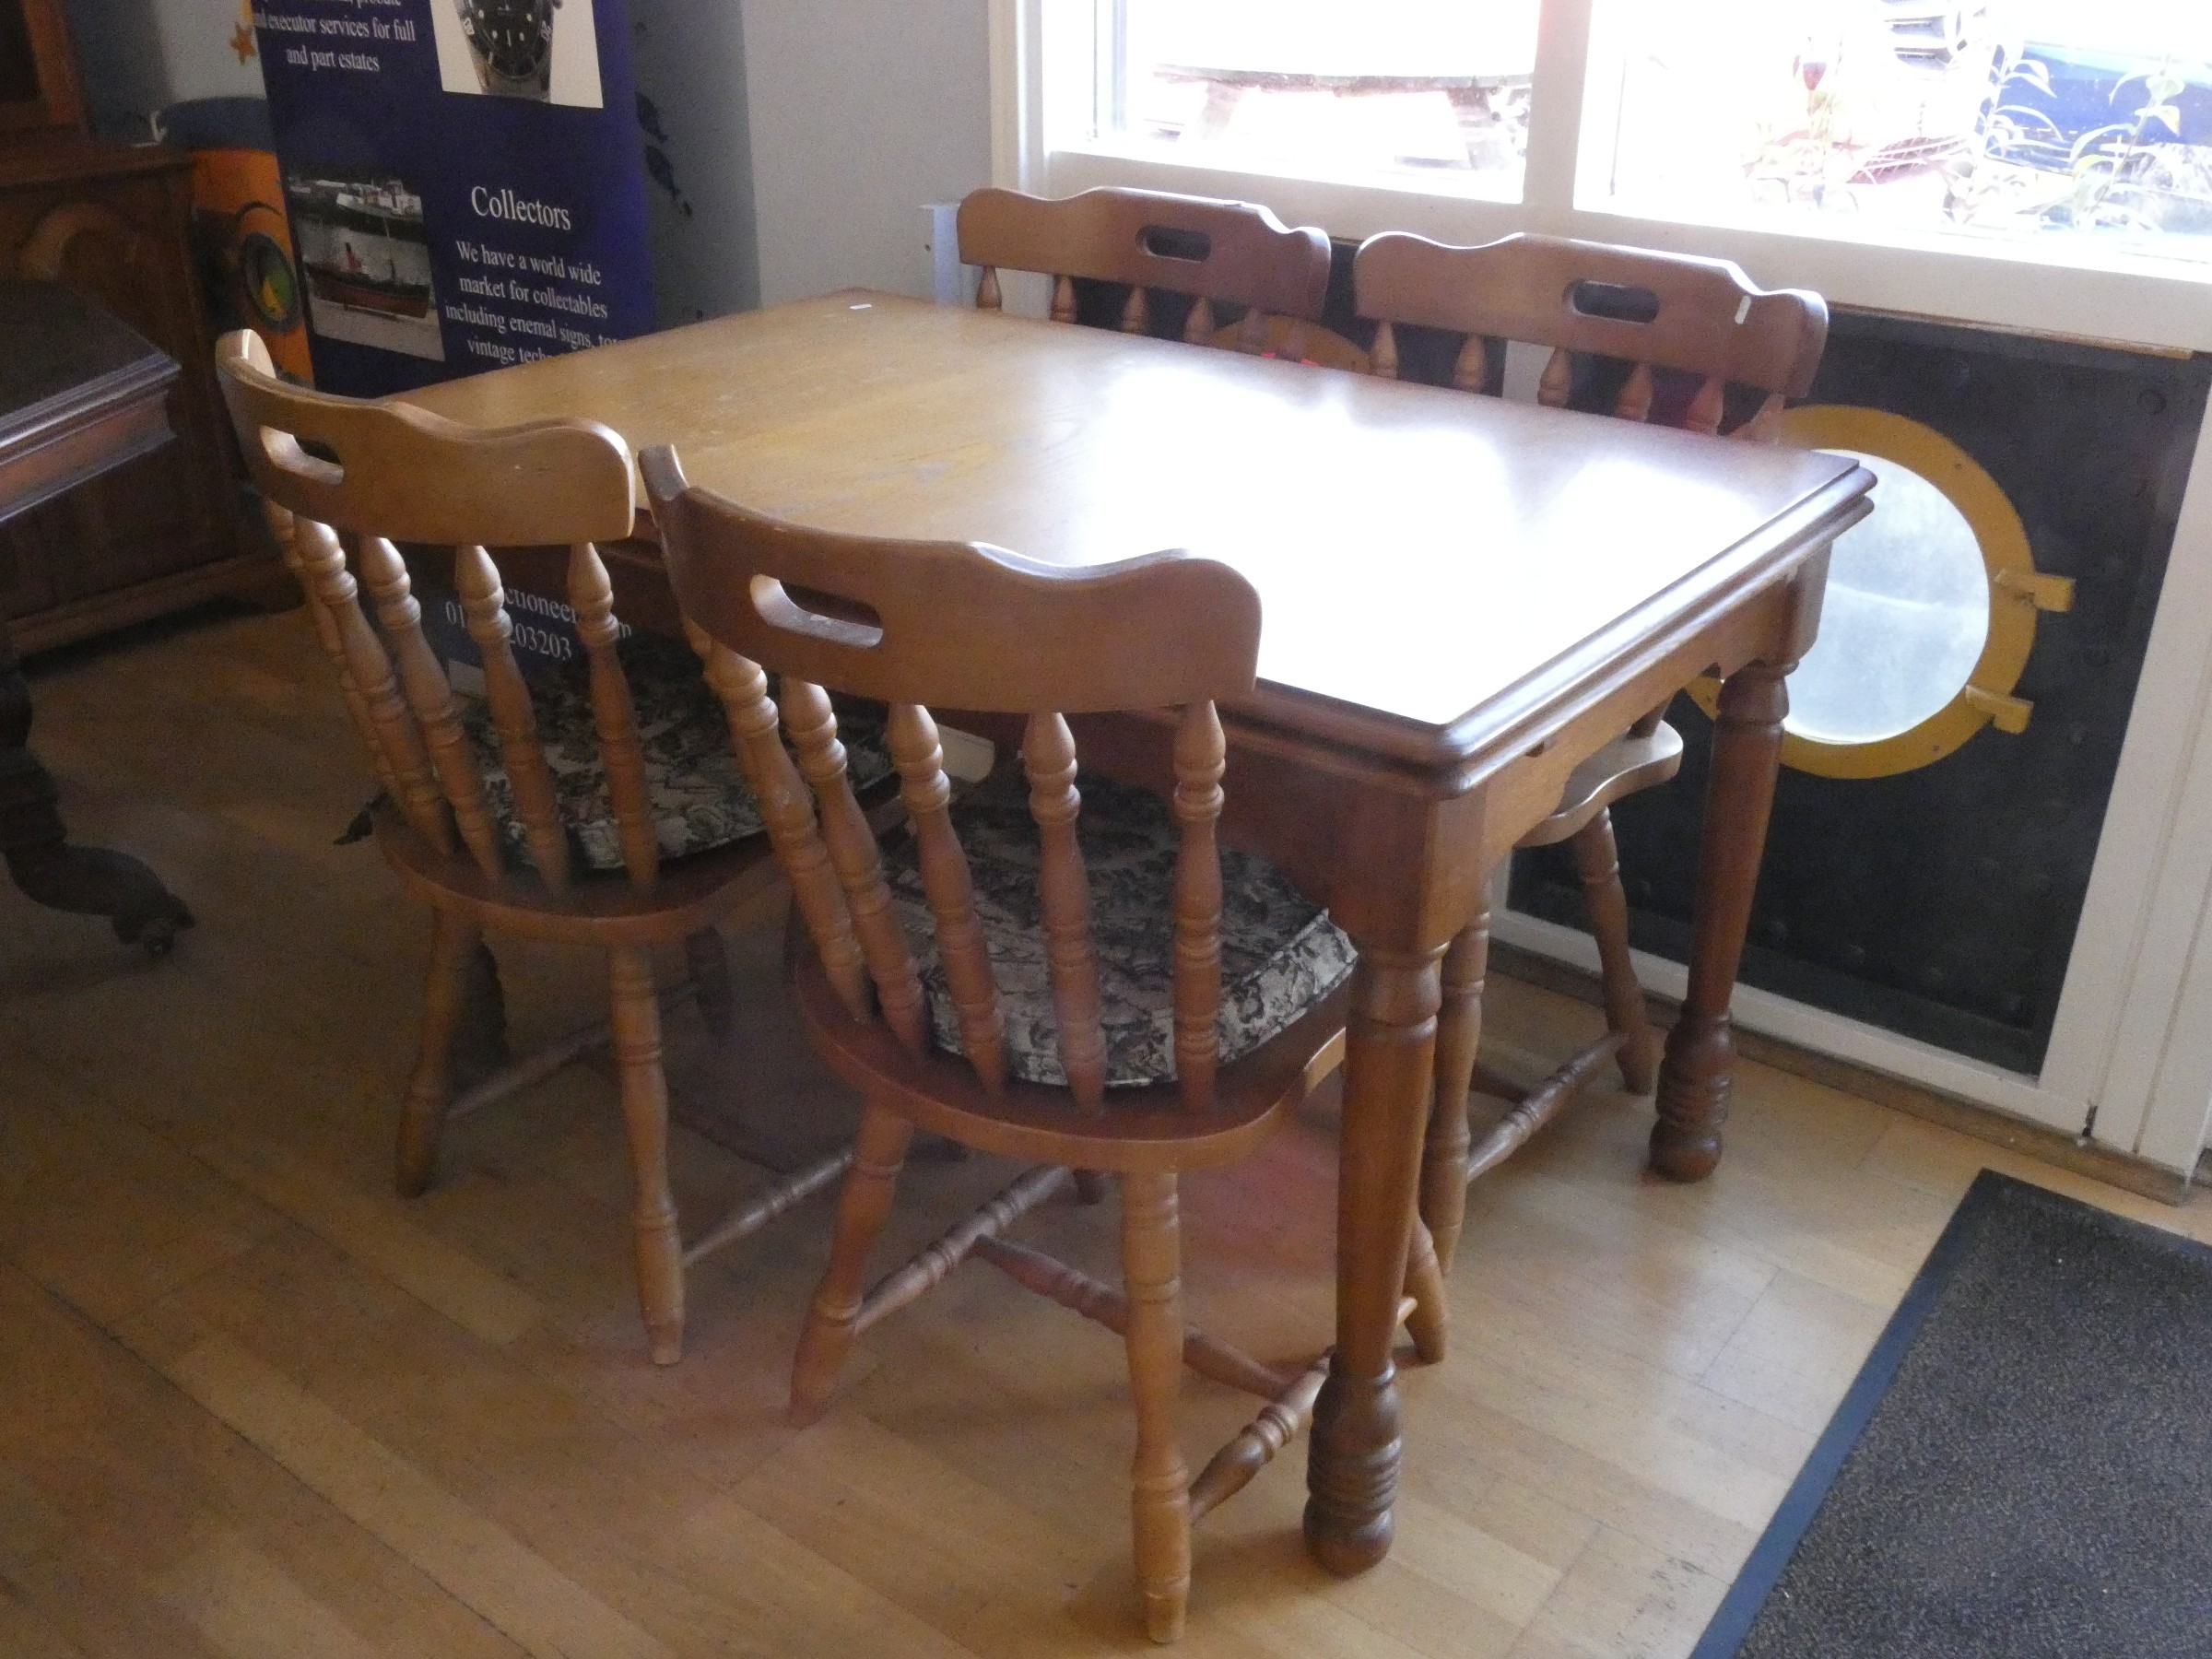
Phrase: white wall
x=138 y=55
x=862 y=111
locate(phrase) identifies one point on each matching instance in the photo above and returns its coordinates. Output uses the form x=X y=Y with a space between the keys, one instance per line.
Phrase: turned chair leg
x=637 y=1028
x=1458 y=1032
x=1430 y=1323
x=1161 y=1495
x=878 y=1153
x=454 y=947
x=710 y=964
x=1598 y=862
x=479 y=1047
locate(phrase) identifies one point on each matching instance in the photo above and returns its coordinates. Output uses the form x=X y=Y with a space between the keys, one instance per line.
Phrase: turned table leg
x=1458 y=1035
x=89 y=880
x=1700 y=1052
x=1390 y=1048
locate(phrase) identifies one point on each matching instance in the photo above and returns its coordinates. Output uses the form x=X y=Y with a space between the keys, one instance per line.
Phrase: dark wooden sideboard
x=165 y=531
x=81 y=398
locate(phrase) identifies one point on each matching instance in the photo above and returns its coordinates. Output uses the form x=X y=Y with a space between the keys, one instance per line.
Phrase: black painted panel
x=1942 y=903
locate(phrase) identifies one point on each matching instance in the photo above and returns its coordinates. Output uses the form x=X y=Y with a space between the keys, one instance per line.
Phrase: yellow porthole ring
x=2017 y=591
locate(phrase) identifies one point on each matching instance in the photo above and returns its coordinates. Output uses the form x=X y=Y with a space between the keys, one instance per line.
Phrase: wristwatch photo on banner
x=511 y=41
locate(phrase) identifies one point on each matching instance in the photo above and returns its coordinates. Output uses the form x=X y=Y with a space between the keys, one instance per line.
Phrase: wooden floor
x=253 y=1404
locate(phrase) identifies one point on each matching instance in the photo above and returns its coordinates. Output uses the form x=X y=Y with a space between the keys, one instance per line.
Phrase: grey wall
x=691 y=71
x=862 y=111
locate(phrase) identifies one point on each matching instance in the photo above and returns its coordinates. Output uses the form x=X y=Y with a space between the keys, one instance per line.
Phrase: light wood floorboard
x=252 y=1403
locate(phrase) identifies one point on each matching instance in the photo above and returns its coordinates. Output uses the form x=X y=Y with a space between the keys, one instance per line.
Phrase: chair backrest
x=916 y=623
x=384 y=472
x=1702 y=318
x=1217 y=254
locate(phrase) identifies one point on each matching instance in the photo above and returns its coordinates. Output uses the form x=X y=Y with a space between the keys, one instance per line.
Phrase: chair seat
x=1280 y=953
x=699 y=799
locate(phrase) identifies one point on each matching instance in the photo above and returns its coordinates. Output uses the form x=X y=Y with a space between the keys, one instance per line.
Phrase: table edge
x=1484 y=738
x=55 y=415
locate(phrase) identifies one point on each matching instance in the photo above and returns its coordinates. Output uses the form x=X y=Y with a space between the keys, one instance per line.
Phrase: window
x=2083 y=118
x=1994 y=162
x=1433 y=88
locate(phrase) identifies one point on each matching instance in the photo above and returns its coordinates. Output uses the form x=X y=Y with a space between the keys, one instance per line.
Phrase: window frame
x=2057 y=287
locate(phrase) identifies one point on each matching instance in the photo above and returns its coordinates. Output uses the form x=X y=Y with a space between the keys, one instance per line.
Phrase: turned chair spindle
x=1064 y=888
x=1211 y=253
x=1215 y=255
x=475 y=819
x=1042 y=1040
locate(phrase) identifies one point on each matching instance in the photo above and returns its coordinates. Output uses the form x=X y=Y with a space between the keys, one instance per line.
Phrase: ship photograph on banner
x=366 y=257
x=464 y=180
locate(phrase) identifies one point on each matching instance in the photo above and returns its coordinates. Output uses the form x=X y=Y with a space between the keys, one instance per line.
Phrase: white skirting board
x=1820 y=1031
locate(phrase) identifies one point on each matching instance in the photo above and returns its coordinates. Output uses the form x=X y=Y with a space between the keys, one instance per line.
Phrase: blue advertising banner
x=464 y=180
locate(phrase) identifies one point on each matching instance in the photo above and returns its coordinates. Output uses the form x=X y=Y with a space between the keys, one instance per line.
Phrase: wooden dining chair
x=1642 y=335
x=1185 y=266
x=1082 y=979
x=598 y=808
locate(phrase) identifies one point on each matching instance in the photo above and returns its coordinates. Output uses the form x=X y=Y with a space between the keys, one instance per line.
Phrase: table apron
x=1400 y=852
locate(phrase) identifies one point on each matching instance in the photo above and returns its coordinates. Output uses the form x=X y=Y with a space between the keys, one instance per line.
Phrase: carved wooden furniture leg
x=1458 y=1033
x=757 y=1212
x=1077 y=1291
x=1428 y=1320
x=540 y=1062
x=1255 y=1447
x=90 y=881
x=1598 y=862
x=636 y=1022
x=454 y=945
x=1693 y=1081
x=480 y=1048
x=1390 y=1041
x=1537 y=1106
x=914 y=1279
x=1159 y=1497
x=710 y=964
x=878 y=1152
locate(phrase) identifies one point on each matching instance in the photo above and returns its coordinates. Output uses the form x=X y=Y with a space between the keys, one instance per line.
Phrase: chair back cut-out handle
x=1223 y=253
x=1172 y=242
x=286 y=453
x=777 y=607
x=1658 y=310
x=1615 y=301
x=953 y=624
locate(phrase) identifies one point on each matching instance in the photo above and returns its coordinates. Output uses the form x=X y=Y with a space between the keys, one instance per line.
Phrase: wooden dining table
x=1462 y=598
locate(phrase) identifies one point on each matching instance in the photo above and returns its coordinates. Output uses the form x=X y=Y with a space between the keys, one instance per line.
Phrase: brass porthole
x=1918 y=651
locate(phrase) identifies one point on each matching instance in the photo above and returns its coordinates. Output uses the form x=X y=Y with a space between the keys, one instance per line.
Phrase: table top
x=1431 y=563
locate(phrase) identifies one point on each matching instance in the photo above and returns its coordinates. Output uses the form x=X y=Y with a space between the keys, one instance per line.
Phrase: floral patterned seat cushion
x=699 y=799
x=1280 y=954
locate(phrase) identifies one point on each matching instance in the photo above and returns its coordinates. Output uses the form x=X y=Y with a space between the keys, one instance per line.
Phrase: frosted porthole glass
x=1904 y=619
